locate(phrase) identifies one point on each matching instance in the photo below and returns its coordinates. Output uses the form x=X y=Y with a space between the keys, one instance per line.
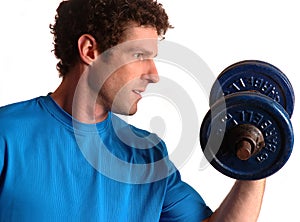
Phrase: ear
x=87 y=47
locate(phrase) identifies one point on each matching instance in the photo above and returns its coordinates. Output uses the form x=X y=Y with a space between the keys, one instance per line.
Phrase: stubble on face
x=121 y=80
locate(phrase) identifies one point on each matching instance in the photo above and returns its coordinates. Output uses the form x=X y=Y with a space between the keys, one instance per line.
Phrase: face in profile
x=127 y=70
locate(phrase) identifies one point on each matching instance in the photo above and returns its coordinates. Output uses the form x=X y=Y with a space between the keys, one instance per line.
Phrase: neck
x=75 y=97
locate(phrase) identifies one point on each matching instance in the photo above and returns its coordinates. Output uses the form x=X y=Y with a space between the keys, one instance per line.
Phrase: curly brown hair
x=105 y=20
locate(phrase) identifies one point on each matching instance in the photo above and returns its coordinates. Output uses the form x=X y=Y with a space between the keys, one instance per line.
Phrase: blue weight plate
x=255 y=75
x=247 y=108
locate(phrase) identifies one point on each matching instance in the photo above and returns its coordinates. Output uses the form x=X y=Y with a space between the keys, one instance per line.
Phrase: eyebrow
x=143 y=50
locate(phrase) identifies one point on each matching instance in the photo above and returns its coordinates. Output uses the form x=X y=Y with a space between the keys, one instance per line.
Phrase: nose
x=151 y=75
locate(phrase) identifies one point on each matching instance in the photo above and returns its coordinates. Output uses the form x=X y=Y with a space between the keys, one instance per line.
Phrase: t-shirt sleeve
x=182 y=202
x=2 y=148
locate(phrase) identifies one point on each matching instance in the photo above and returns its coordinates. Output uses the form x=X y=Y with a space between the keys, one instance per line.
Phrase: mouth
x=138 y=92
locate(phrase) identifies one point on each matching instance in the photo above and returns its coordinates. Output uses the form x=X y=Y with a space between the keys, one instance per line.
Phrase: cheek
x=112 y=88
x=119 y=81
x=119 y=84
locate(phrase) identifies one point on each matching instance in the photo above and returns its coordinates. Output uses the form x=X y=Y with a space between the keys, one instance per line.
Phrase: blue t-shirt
x=54 y=168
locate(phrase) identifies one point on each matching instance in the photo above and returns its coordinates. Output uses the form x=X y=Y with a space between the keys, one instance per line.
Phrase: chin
x=126 y=112
x=132 y=112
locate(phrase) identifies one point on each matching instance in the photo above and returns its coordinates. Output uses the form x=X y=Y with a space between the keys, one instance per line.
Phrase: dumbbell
x=247 y=134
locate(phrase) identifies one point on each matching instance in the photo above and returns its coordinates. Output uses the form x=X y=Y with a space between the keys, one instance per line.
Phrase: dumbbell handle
x=244 y=150
x=247 y=139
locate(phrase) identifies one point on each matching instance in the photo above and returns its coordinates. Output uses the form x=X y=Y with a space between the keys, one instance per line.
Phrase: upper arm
x=182 y=202
x=2 y=155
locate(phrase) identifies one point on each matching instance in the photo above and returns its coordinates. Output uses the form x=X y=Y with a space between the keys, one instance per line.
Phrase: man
x=67 y=157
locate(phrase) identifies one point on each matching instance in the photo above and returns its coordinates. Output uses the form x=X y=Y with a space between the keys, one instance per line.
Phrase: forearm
x=243 y=203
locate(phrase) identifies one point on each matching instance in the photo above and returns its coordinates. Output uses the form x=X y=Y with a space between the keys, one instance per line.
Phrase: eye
x=138 y=55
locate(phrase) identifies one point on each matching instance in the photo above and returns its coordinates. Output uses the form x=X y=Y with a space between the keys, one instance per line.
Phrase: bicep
x=2 y=155
x=182 y=202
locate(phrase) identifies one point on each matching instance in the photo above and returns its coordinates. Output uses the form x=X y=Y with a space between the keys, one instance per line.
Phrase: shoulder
x=18 y=107
x=17 y=114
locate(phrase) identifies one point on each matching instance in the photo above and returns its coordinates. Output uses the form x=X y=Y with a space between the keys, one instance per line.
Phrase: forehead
x=134 y=32
x=140 y=36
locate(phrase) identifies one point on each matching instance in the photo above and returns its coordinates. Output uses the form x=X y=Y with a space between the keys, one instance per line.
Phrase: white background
x=221 y=32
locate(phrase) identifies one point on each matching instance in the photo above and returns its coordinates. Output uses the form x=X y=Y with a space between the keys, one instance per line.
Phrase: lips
x=137 y=91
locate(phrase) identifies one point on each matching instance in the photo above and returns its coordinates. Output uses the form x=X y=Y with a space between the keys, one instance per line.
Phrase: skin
x=243 y=203
x=97 y=85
